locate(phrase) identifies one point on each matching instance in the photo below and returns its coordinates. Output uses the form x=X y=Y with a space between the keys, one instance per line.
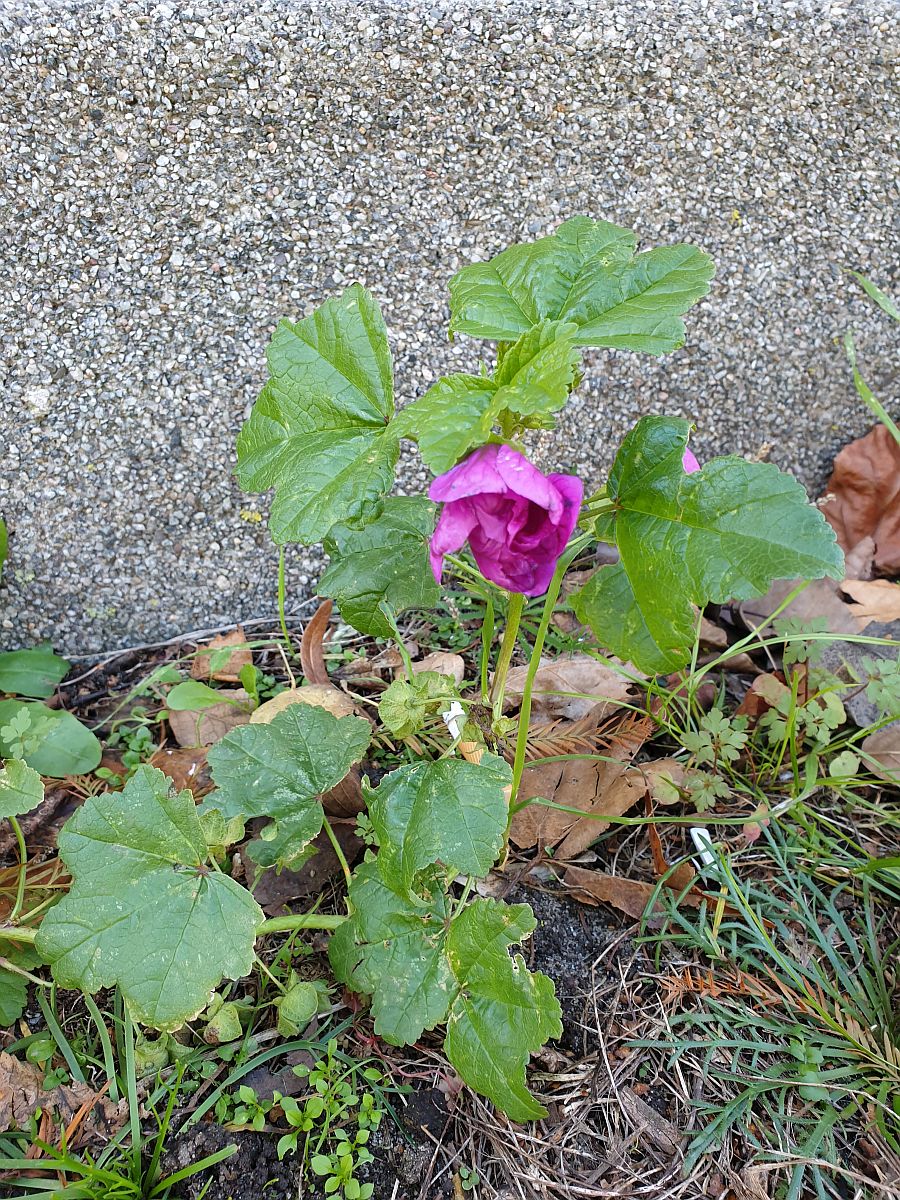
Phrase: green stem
x=510 y=633
x=336 y=847
x=23 y=870
x=17 y=933
x=298 y=921
x=281 y=601
x=562 y=566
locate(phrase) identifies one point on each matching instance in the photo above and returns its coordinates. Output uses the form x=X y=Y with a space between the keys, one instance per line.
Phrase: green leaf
x=536 y=373
x=420 y=969
x=386 y=562
x=585 y=273
x=725 y=532
x=194 y=696
x=14 y=987
x=145 y=913
x=65 y=746
x=280 y=770
x=449 y=811
x=319 y=431
x=21 y=789
x=453 y=416
x=502 y=1012
x=405 y=703
x=35 y=672
x=882 y=299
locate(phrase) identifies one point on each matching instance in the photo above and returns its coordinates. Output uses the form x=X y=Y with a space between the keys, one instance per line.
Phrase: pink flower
x=516 y=520
x=690 y=462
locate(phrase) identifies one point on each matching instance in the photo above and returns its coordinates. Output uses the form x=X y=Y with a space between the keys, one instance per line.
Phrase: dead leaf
x=85 y=1113
x=274 y=890
x=763 y=694
x=312 y=657
x=630 y=896
x=320 y=695
x=818 y=599
x=712 y=635
x=875 y=600
x=753 y=1182
x=648 y=1122
x=191 y=728
x=185 y=766
x=863 y=498
x=538 y=825
x=230 y=670
x=20 y=1086
x=884 y=748
x=605 y=687
x=346 y=798
x=684 y=875
x=444 y=663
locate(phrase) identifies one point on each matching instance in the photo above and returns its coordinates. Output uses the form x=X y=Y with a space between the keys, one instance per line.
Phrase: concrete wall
x=180 y=175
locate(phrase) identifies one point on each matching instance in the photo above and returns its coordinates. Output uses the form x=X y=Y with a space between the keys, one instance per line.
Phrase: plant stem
x=298 y=921
x=281 y=601
x=336 y=847
x=562 y=566
x=17 y=933
x=23 y=869
x=510 y=633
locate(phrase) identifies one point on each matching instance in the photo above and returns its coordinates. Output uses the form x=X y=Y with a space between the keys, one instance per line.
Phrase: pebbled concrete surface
x=178 y=176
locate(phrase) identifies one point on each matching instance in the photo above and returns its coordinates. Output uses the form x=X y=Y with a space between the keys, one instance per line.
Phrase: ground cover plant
x=531 y=747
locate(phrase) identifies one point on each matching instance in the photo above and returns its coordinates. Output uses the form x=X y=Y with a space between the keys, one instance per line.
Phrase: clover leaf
x=449 y=811
x=421 y=967
x=384 y=563
x=146 y=912
x=319 y=432
x=725 y=532
x=21 y=789
x=279 y=770
x=586 y=273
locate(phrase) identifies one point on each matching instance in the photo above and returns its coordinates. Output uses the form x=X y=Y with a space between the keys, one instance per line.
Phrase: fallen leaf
x=648 y=1122
x=444 y=663
x=630 y=896
x=604 y=686
x=312 y=657
x=712 y=635
x=862 y=498
x=763 y=694
x=320 y=695
x=274 y=890
x=206 y=664
x=185 y=766
x=192 y=728
x=818 y=599
x=883 y=746
x=22 y=1094
x=874 y=600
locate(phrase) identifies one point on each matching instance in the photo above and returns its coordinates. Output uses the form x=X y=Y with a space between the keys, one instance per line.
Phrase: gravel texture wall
x=177 y=176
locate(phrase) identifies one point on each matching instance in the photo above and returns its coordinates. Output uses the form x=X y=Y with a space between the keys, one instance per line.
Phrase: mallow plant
x=152 y=907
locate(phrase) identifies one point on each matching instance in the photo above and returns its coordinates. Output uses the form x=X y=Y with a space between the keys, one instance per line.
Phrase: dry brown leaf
x=21 y=1094
x=763 y=694
x=319 y=695
x=538 y=825
x=191 y=728
x=630 y=896
x=819 y=599
x=605 y=686
x=884 y=747
x=185 y=766
x=863 y=498
x=230 y=670
x=273 y=890
x=312 y=657
x=444 y=663
x=874 y=600
x=648 y=1122
x=712 y=635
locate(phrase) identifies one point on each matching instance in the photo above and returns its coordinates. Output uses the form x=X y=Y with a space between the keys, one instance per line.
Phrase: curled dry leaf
x=312 y=657
x=444 y=663
x=22 y=1094
x=604 y=685
x=208 y=662
x=763 y=694
x=319 y=695
x=274 y=890
x=863 y=498
x=630 y=896
x=192 y=728
x=884 y=748
x=874 y=600
x=818 y=599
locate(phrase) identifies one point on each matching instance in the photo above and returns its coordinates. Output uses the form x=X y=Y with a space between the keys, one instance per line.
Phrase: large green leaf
x=35 y=672
x=392 y=949
x=725 y=532
x=421 y=968
x=536 y=373
x=385 y=562
x=13 y=986
x=453 y=416
x=280 y=770
x=502 y=1012
x=21 y=789
x=62 y=745
x=319 y=432
x=449 y=811
x=585 y=273
x=145 y=911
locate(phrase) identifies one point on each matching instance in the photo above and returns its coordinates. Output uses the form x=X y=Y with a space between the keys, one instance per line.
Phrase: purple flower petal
x=474 y=476
x=453 y=528
x=690 y=462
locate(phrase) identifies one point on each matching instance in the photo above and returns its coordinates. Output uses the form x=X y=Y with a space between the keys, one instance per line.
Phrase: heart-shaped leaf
x=319 y=431
x=585 y=273
x=725 y=532
x=449 y=811
x=145 y=911
x=279 y=770
x=35 y=672
x=384 y=563
x=21 y=789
